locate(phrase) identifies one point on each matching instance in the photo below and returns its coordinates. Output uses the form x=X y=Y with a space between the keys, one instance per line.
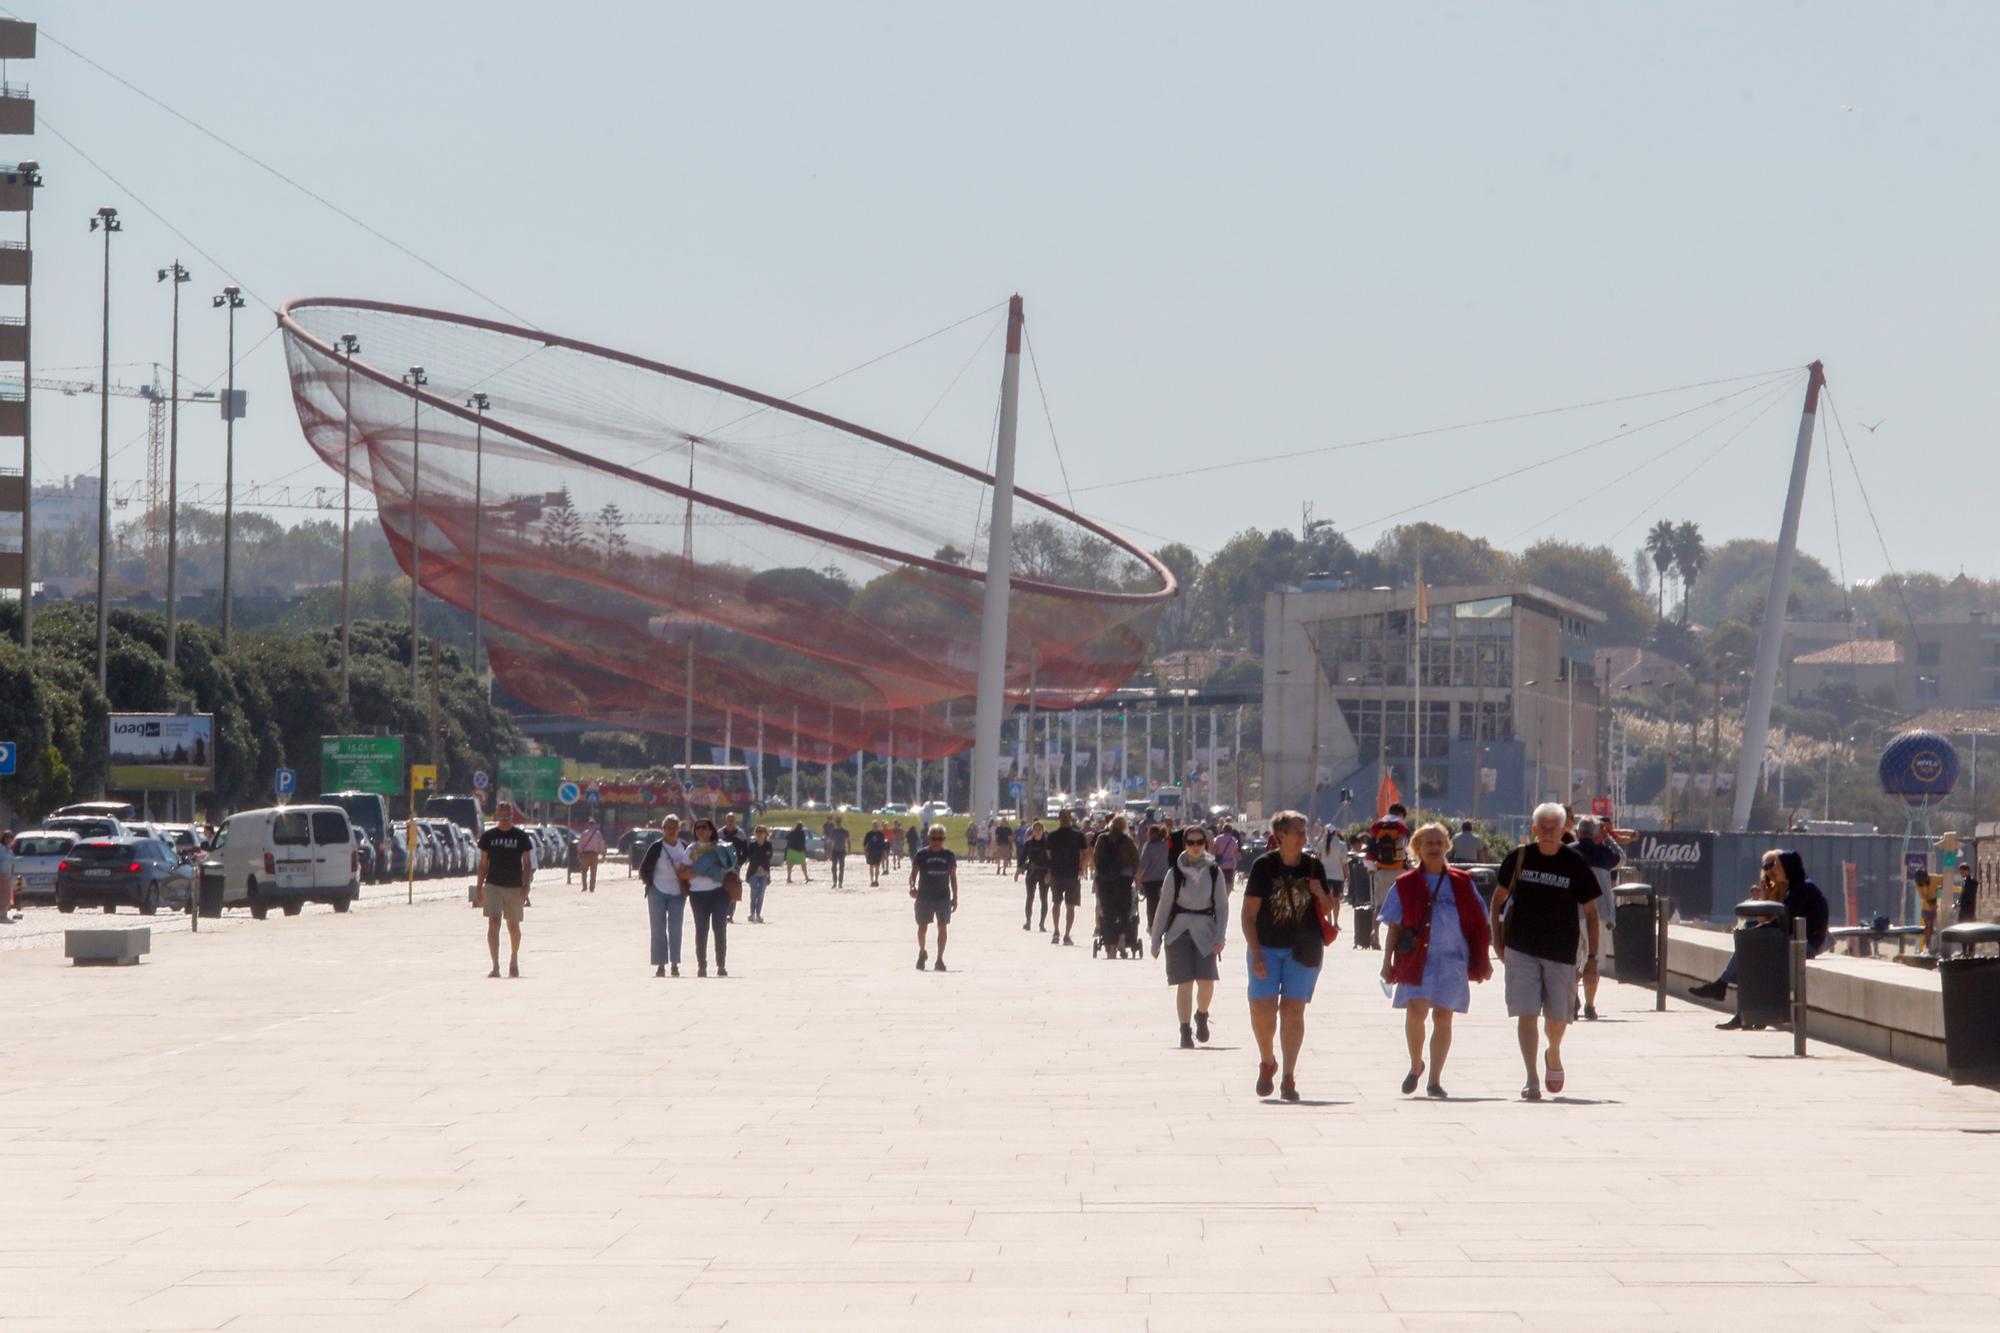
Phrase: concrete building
x=1866 y=664
x=1955 y=662
x=1509 y=690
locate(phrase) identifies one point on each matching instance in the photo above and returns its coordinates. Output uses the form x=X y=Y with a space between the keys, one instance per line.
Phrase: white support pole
x=1124 y=753
x=1099 y=783
x=826 y=769
x=758 y=785
x=795 y=762
x=1075 y=740
x=1771 y=635
x=990 y=701
x=889 y=769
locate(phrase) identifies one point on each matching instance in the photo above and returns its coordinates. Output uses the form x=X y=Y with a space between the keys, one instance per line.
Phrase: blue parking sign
x=286 y=782
x=7 y=759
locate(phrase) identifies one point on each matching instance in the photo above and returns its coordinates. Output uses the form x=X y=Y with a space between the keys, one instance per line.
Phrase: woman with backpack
x=1435 y=947
x=1191 y=924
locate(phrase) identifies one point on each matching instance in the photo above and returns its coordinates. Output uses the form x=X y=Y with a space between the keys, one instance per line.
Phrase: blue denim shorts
x=1284 y=977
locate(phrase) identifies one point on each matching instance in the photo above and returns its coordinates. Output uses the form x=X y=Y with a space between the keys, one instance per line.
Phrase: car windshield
x=85 y=828
x=102 y=851
x=46 y=846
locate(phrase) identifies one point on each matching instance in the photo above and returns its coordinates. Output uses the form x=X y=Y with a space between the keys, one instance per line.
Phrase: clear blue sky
x=1240 y=229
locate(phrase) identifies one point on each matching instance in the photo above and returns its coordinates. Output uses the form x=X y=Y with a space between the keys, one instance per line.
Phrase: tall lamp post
x=178 y=276
x=231 y=300
x=479 y=402
x=106 y=221
x=345 y=346
x=27 y=174
x=416 y=379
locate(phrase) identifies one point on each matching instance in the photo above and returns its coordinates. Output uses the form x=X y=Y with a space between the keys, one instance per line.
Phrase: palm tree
x=1690 y=558
x=1660 y=544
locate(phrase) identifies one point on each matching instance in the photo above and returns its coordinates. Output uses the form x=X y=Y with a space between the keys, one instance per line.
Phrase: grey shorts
x=1067 y=889
x=931 y=909
x=1537 y=987
x=1186 y=962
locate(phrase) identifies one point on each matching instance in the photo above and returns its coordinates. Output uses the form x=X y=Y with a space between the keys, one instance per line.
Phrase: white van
x=288 y=855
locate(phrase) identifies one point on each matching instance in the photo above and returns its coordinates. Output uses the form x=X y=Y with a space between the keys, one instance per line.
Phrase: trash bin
x=1971 y=987
x=211 y=891
x=1763 y=964
x=1635 y=933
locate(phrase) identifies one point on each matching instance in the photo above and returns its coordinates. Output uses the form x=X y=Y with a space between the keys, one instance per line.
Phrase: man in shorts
x=1536 y=928
x=506 y=870
x=934 y=884
x=1284 y=898
x=1066 y=850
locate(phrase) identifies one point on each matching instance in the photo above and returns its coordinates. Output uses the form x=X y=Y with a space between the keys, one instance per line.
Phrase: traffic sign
x=1014 y=790
x=593 y=795
x=648 y=795
x=7 y=759
x=423 y=777
x=286 y=782
x=1600 y=806
x=361 y=763
x=479 y=780
x=569 y=793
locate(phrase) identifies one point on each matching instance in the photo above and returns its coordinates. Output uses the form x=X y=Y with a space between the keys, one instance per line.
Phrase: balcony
x=17 y=109
x=16 y=264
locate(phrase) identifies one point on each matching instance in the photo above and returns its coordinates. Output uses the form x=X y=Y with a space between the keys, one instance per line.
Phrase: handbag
x=732 y=884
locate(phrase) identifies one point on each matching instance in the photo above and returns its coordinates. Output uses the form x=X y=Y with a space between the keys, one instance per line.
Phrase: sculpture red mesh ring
x=825 y=573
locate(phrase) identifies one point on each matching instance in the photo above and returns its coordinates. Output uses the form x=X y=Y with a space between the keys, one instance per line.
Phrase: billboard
x=162 y=751
x=530 y=777
x=361 y=763
x=1680 y=864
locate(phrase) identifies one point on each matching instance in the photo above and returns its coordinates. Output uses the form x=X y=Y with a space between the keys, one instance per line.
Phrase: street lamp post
x=416 y=379
x=231 y=300
x=345 y=346
x=178 y=276
x=479 y=402
x=106 y=221
x=27 y=174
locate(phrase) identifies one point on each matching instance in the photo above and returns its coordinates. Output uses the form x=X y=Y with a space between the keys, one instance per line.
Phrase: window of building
x=1927 y=653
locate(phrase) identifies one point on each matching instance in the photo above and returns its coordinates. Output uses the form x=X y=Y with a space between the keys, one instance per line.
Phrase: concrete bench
x=107 y=948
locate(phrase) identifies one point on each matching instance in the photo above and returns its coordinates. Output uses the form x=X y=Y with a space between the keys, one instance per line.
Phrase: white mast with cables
x=990 y=701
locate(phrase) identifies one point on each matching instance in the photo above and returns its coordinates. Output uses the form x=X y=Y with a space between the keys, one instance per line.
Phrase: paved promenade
x=339 y=1123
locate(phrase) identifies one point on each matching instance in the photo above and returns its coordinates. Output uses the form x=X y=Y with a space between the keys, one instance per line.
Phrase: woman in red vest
x=1435 y=947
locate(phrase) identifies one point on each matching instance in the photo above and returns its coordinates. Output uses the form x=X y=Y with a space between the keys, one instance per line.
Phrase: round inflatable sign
x=1921 y=767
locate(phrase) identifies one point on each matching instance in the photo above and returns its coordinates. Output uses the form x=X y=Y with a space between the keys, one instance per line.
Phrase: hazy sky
x=1241 y=230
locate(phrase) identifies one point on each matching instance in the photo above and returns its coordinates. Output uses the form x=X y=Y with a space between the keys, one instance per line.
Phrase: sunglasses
x=1194 y=842
x=937 y=837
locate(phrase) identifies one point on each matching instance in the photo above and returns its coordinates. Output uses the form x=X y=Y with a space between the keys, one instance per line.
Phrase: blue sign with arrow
x=8 y=753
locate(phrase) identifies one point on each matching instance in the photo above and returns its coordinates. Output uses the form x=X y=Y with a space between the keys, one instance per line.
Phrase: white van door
x=292 y=854
x=333 y=850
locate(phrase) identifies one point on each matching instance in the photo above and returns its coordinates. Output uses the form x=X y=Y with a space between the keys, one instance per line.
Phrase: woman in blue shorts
x=1284 y=899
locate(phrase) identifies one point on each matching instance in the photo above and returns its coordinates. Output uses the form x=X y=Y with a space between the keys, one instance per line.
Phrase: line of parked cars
x=101 y=855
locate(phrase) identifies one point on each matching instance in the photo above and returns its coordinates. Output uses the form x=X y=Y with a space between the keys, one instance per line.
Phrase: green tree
x=1593 y=575
x=1660 y=545
x=1690 y=556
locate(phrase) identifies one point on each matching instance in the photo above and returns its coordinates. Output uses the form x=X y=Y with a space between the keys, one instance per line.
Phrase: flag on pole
x=1387 y=795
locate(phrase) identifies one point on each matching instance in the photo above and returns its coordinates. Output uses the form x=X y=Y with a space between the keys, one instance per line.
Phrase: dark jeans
x=1728 y=977
x=839 y=860
x=1152 y=889
x=711 y=912
x=1036 y=880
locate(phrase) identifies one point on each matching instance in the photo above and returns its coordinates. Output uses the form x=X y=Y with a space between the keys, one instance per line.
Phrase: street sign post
x=479 y=780
x=285 y=783
x=7 y=759
x=423 y=778
x=569 y=793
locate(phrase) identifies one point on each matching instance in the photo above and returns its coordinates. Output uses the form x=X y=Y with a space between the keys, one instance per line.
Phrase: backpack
x=1383 y=851
x=1180 y=882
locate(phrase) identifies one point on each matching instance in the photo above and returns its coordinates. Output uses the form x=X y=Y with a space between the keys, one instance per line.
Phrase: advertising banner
x=162 y=751
x=361 y=763
x=1681 y=865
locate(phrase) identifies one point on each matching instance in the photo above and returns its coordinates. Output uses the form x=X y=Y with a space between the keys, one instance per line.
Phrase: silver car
x=37 y=853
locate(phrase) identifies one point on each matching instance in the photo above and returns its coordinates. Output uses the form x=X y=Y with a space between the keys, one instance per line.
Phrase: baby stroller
x=1117 y=921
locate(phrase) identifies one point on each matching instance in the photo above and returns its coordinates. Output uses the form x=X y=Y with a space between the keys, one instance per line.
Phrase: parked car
x=119 y=810
x=185 y=839
x=365 y=862
x=87 y=826
x=288 y=856
x=110 y=872
x=37 y=853
x=370 y=812
x=449 y=859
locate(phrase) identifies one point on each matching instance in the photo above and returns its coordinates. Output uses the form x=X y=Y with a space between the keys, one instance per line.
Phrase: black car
x=109 y=872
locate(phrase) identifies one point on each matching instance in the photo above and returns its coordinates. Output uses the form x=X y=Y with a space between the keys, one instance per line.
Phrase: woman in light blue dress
x=1435 y=948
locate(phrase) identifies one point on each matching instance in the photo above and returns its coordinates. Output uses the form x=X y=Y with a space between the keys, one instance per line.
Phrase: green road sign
x=361 y=763
x=530 y=777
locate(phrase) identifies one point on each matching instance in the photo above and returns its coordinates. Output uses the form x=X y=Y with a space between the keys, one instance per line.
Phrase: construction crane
x=156 y=400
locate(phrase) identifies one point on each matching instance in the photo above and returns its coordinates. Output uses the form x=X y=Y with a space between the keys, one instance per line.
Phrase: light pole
x=178 y=276
x=106 y=221
x=345 y=346
x=232 y=301
x=479 y=402
x=416 y=379
x=27 y=174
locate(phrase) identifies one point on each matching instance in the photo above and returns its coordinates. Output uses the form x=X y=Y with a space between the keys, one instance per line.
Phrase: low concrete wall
x=1871 y=1005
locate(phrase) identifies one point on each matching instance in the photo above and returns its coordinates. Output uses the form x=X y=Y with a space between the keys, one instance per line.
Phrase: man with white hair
x=1536 y=927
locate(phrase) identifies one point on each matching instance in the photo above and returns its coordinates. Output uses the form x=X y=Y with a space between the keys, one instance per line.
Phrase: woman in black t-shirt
x=1284 y=899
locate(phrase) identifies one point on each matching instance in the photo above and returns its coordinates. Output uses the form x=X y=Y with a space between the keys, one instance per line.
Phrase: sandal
x=1267 y=1071
x=1555 y=1076
x=1530 y=1093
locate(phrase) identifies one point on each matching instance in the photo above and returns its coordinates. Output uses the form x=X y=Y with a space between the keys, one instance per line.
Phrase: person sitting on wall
x=1782 y=879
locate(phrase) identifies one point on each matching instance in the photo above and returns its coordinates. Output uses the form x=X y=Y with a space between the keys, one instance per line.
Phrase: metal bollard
x=1799 y=987
x=1666 y=911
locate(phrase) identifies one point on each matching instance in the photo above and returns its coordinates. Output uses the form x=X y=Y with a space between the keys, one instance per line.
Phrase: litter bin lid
x=1756 y=909
x=1972 y=932
x=1631 y=892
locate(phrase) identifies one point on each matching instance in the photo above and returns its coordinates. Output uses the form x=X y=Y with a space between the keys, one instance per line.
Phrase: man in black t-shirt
x=1284 y=898
x=835 y=834
x=1066 y=847
x=1541 y=886
x=506 y=869
x=934 y=884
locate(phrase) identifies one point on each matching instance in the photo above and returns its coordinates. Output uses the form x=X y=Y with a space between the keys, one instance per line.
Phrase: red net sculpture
x=811 y=564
